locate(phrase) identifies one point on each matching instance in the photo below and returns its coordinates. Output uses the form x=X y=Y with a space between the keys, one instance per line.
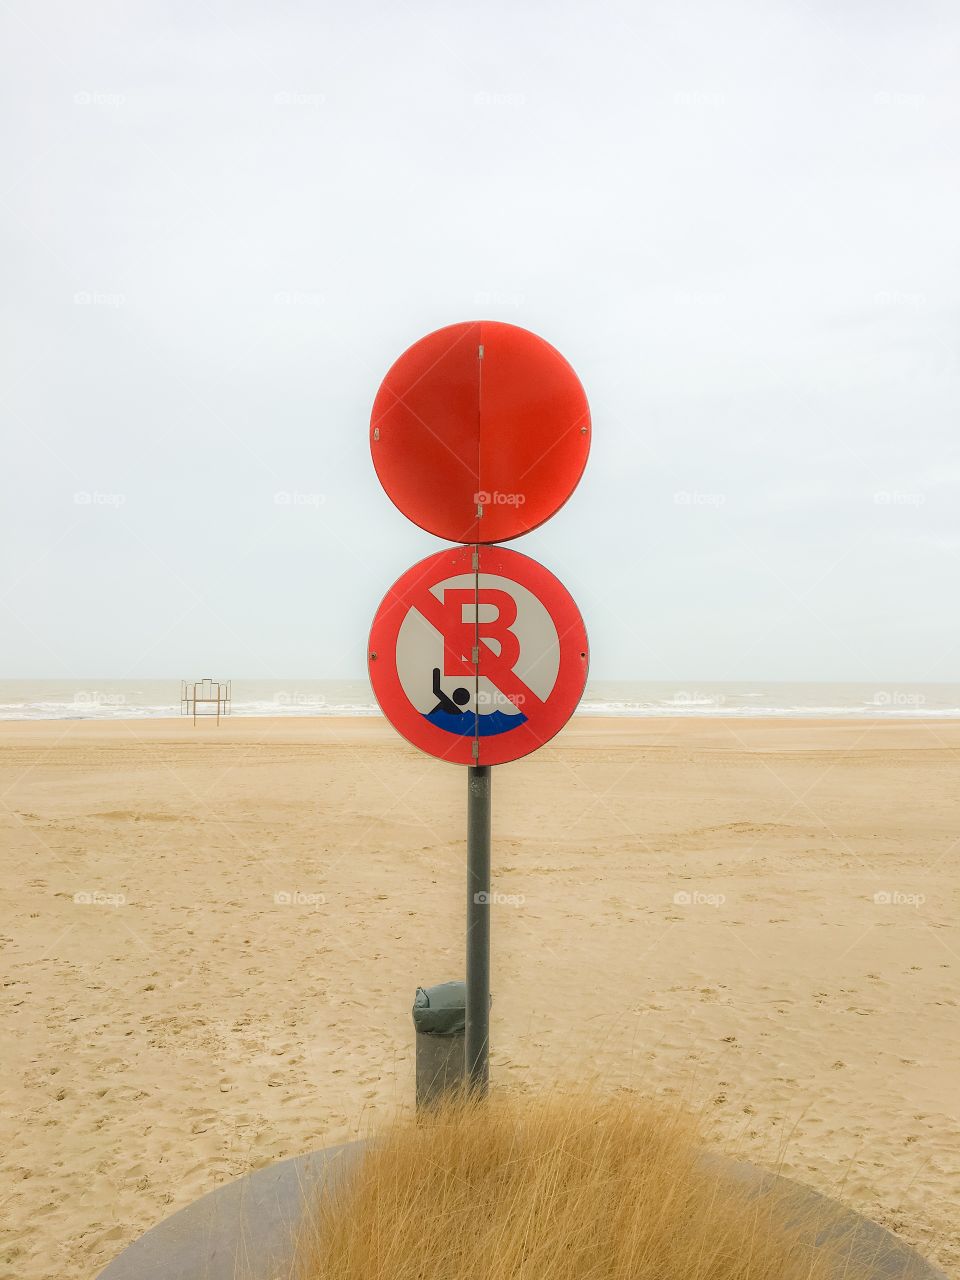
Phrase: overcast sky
x=223 y=222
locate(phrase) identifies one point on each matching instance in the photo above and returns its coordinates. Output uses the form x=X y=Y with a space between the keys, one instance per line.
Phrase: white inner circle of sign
x=420 y=648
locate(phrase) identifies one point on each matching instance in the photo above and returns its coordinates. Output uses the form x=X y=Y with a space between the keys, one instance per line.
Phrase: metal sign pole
x=477 y=1039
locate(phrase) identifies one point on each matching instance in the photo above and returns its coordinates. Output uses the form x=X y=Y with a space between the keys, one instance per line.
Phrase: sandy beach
x=212 y=938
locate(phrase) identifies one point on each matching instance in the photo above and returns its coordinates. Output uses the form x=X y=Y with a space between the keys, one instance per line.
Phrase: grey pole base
x=245 y=1230
x=477 y=1035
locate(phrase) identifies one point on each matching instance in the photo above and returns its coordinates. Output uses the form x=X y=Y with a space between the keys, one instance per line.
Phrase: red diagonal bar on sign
x=504 y=677
x=507 y=681
x=426 y=603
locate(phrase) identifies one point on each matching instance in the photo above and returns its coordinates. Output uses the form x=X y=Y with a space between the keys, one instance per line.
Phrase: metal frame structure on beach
x=212 y=693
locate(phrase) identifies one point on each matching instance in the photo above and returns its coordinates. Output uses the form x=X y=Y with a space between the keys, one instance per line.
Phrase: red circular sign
x=480 y=432
x=478 y=655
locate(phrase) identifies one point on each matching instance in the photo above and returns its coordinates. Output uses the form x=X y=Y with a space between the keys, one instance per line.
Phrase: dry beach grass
x=202 y=1028
x=561 y=1186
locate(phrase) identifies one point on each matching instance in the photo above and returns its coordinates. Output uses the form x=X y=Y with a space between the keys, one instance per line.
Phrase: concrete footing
x=246 y=1230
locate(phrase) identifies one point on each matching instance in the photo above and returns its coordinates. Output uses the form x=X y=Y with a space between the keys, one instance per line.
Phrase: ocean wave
x=115 y=700
x=870 y=711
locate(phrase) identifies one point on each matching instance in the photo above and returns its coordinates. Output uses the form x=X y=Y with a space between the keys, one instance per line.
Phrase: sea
x=143 y=699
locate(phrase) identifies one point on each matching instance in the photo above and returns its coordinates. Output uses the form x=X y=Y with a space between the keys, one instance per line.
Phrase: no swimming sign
x=478 y=655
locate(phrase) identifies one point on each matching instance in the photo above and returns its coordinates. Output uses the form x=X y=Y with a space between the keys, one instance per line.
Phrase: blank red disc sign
x=478 y=655
x=480 y=432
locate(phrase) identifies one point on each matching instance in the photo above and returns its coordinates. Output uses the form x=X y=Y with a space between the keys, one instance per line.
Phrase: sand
x=686 y=906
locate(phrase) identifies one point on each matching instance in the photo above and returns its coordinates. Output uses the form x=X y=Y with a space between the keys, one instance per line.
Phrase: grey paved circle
x=244 y=1230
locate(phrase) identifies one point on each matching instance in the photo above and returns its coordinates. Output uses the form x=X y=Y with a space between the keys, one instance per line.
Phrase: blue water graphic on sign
x=487 y=724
